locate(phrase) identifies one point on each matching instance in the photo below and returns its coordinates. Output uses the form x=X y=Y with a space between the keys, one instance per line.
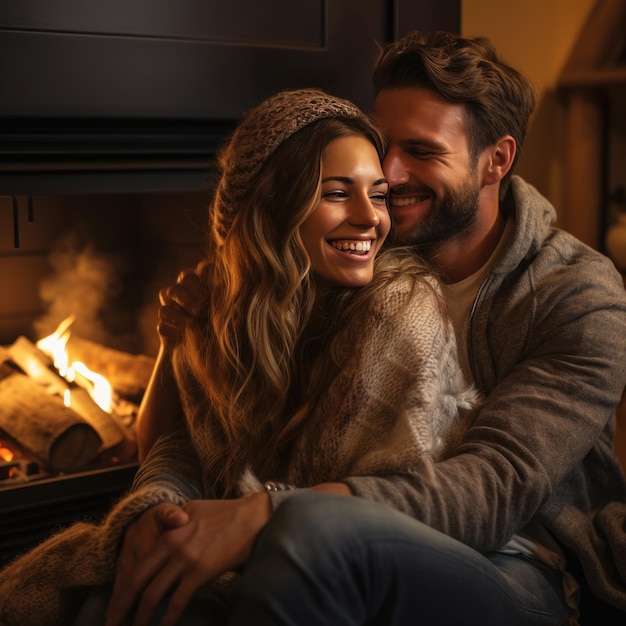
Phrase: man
x=528 y=517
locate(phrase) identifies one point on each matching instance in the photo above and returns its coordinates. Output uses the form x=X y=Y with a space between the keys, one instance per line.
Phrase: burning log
x=128 y=373
x=41 y=423
x=76 y=400
x=36 y=364
x=31 y=360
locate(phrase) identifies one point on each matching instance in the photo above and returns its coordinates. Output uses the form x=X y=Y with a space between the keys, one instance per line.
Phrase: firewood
x=36 y=364
x=111 y=433
x=5 y=355
x=42 y=424
x=128 y=373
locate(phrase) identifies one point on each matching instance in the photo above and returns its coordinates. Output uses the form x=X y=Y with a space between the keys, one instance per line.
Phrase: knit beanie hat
x=259 y=134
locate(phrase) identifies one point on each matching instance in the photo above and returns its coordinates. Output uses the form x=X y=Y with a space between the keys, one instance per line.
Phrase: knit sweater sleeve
x=38 y=587
x=172 y=464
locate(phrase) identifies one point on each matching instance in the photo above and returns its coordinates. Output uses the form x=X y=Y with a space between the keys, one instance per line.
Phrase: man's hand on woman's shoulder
x=180 y=303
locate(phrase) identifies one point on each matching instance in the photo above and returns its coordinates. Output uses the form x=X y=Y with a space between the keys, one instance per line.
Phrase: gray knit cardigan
x=547 y=346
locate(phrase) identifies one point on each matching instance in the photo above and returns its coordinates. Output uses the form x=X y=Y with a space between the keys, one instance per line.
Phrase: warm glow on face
x=55 y=346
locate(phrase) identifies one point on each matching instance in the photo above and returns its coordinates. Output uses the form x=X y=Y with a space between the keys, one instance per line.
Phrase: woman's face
x=346 y=230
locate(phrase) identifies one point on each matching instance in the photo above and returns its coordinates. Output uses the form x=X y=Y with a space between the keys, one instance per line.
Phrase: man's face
x=434 y=186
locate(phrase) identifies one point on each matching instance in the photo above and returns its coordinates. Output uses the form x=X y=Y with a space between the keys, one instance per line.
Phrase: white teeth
x=352 y=246
x=407 y=201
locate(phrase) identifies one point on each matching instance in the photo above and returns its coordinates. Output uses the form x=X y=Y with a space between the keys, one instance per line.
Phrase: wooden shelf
x=595 y=66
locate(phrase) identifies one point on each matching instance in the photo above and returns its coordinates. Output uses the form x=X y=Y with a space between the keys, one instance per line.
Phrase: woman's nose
x=364 y=213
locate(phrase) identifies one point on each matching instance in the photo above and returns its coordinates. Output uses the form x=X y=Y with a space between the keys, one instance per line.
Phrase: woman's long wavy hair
x=251 y=372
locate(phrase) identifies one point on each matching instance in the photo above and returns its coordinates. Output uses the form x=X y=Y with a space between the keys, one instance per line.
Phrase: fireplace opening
x=90 y=265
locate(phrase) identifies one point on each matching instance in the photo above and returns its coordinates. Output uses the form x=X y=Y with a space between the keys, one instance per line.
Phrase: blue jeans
x=335 y=560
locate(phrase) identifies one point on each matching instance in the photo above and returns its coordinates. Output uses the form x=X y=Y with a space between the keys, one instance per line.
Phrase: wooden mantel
x=596 y=65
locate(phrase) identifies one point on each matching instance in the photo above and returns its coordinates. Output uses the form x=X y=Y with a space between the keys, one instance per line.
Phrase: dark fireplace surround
x=109 y=124
x=94 y=236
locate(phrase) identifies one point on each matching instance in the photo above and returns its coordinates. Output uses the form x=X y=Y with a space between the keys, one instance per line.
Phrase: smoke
x=88 y=284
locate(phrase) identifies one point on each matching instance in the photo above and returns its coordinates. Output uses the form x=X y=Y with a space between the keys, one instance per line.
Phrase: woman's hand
x=158 y=559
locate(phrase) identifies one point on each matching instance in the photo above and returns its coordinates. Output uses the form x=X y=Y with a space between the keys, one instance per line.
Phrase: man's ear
x=498 y=160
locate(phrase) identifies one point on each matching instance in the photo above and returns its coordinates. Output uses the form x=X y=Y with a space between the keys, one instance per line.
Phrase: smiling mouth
x=407 y=200
x=352 y=246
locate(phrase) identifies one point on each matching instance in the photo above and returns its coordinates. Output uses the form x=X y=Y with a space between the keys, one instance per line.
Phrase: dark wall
x=194 y=59
x=90 y=89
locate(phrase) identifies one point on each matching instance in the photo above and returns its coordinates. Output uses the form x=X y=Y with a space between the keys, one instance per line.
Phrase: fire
x=98 y=386
x=6 y=454
x=55 y=346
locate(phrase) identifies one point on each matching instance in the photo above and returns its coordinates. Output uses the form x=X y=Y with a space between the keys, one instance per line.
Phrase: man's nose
x=394 y=168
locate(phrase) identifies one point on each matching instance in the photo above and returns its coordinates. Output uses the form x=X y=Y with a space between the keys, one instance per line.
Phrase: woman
x=288 y=245
x=308 y=362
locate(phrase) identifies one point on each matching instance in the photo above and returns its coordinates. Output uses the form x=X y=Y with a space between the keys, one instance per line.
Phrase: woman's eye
x=379 y=197
x=334 y=194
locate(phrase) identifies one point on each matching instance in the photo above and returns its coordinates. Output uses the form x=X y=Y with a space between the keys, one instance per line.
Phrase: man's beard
x=447 y=217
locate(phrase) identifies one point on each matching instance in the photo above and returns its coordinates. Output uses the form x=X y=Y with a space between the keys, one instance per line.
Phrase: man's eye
x=419 y=154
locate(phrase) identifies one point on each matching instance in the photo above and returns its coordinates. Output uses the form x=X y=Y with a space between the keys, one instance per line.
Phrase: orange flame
x=55 y=346
x=6 y=454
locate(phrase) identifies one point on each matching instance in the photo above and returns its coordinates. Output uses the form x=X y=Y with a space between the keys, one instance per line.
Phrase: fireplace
x=93 y=239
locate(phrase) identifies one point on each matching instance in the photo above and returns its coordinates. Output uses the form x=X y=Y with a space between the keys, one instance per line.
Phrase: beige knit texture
x=38 y=589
